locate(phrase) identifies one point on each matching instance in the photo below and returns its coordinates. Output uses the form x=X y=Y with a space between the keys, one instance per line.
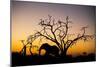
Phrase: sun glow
x=26 y=16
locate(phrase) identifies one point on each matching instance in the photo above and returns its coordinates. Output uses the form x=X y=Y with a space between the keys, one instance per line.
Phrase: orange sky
x=26 y=15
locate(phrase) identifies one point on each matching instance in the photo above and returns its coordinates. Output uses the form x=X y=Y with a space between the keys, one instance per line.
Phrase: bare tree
x=57 y=32
x=28 y=43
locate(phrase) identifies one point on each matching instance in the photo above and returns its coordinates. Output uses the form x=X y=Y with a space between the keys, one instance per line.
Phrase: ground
x=20 y=60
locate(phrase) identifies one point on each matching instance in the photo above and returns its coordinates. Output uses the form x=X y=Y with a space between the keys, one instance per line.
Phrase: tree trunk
x=30 y=50
x=25 y=50
x=64 y=52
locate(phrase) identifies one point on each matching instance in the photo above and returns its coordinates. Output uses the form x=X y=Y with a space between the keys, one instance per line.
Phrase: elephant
x=50 y=50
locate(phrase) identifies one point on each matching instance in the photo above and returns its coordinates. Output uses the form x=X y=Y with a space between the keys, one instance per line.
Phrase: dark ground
x=19 y=60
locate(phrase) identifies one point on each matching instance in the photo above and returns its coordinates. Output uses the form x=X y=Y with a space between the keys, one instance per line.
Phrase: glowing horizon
x=27 y=15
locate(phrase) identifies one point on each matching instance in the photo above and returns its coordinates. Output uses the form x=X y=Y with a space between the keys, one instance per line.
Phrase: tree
x=28 y=42
x=57 y=32
x=23 y=51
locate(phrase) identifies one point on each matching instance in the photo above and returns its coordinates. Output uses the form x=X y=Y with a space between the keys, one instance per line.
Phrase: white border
x=4 y=33
x=82 y=2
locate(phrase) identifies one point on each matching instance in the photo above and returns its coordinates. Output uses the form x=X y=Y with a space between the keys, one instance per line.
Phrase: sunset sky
x=25 y=17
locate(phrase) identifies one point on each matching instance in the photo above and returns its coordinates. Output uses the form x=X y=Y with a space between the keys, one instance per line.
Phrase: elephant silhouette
x=50 y=50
